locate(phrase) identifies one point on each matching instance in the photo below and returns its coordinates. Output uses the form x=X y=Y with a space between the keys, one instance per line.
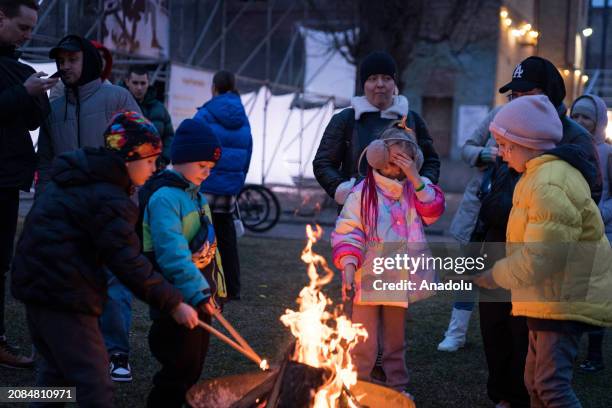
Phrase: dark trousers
x=506 y=341
x=9 y=212
x=550 y=367
x=595 y=352
x=72 y=354
x=181 y=352
x=228 y=249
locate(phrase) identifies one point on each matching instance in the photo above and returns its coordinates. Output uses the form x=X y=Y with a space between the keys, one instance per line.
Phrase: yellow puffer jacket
x=558 y=261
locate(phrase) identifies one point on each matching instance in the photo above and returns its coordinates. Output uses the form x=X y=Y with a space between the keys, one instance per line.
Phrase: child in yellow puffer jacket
x=554 y=223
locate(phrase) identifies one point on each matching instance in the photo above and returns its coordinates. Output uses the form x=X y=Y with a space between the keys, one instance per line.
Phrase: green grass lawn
x=272 y=276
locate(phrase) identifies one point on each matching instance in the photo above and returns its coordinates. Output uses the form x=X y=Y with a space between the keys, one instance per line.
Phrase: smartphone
x=56 y=75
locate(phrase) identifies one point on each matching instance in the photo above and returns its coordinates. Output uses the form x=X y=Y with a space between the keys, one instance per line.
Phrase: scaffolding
x=220 y=23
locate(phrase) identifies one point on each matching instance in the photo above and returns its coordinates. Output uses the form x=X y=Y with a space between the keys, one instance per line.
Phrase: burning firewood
x=292 y=385
x=317 y=369
x=299 y=385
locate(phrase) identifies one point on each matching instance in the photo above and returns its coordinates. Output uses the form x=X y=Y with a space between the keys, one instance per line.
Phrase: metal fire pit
x=223 y=391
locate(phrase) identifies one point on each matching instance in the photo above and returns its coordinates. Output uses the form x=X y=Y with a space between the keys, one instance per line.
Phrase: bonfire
x=317 y=369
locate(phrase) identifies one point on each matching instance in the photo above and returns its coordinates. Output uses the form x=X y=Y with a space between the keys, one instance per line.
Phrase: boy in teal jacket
x=179 y=237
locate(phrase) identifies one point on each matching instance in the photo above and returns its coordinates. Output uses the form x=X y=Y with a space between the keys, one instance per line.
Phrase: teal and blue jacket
x=174 y=213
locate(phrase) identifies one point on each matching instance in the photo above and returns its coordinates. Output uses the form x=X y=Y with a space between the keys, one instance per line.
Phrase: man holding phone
x=23 y=107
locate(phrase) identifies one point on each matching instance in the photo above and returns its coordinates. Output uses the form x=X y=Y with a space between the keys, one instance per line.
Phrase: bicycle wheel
x=274 y=210
x=254 y=206
x=259 y=208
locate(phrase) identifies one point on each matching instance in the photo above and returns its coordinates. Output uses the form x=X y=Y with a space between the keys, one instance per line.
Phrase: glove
x=343 y=190
x=488 y=154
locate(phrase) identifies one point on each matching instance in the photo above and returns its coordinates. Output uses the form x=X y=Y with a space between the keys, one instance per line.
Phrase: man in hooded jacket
x=79 y=117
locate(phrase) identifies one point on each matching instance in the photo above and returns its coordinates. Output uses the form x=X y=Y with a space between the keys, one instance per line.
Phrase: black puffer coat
x=345 y=138
x=83 y=222
x=19 y=112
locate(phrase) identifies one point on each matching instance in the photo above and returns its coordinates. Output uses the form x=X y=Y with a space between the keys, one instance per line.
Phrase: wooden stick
x=253 y=357
x=235 y=333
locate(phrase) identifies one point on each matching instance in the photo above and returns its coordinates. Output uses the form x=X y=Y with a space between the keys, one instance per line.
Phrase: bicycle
x=259 y=208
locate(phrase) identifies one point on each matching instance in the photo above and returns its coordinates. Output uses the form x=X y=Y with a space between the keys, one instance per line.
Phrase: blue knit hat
x=194 y=141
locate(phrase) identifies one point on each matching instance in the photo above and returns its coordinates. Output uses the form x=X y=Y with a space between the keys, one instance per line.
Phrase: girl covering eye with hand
x=386 y=210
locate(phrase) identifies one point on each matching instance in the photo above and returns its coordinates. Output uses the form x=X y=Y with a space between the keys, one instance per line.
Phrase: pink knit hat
x=530 y=121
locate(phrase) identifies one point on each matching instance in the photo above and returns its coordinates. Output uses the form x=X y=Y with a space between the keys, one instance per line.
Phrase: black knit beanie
x=375 y=63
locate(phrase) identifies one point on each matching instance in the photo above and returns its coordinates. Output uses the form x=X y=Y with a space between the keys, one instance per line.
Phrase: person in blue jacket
x=225 y=115
x=178 y=237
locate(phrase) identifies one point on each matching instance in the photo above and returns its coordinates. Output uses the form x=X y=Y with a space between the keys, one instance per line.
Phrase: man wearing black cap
x=350 y=131
x=505 y=337
x=23 y=107
x=536 y=75
x=80 y=116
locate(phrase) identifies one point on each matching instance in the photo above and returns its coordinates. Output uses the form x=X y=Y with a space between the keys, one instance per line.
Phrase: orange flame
x=324 y=339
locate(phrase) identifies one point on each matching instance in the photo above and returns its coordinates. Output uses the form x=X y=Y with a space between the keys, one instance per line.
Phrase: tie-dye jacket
x=402 y=212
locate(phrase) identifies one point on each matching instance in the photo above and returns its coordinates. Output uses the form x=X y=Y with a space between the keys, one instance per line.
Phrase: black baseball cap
x=69 y=43
x=529 y=74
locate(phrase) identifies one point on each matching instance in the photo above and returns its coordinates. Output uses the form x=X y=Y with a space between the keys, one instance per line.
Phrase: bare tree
x=397 y=26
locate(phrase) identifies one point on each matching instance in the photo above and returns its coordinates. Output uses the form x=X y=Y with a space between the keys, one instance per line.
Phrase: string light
x=587 y=32
x=524 y=34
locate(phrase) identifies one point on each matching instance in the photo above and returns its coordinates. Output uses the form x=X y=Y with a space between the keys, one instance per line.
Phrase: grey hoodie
x=98 y=103
x=604 y=151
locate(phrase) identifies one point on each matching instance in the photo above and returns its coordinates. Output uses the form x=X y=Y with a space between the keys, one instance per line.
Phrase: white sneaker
x=455 y=336
x=120 y=370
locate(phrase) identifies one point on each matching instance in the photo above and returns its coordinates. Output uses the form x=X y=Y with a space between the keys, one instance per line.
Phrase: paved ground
x=297 y=212
x=301 y=207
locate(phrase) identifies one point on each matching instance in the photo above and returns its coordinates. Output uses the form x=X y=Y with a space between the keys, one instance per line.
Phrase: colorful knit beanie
x=132 y=136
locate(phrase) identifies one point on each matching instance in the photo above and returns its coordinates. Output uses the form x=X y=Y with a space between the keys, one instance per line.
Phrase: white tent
x=285 y=139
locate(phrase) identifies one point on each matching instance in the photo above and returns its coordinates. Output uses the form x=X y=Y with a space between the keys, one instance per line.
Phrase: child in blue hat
x=178 y=236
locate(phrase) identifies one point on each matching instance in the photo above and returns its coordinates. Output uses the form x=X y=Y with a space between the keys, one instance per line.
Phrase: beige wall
x=559 y=23
x=510 y=52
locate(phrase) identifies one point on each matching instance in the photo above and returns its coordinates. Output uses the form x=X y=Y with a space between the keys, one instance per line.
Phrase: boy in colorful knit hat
x=82 y=224
x=178 y=236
